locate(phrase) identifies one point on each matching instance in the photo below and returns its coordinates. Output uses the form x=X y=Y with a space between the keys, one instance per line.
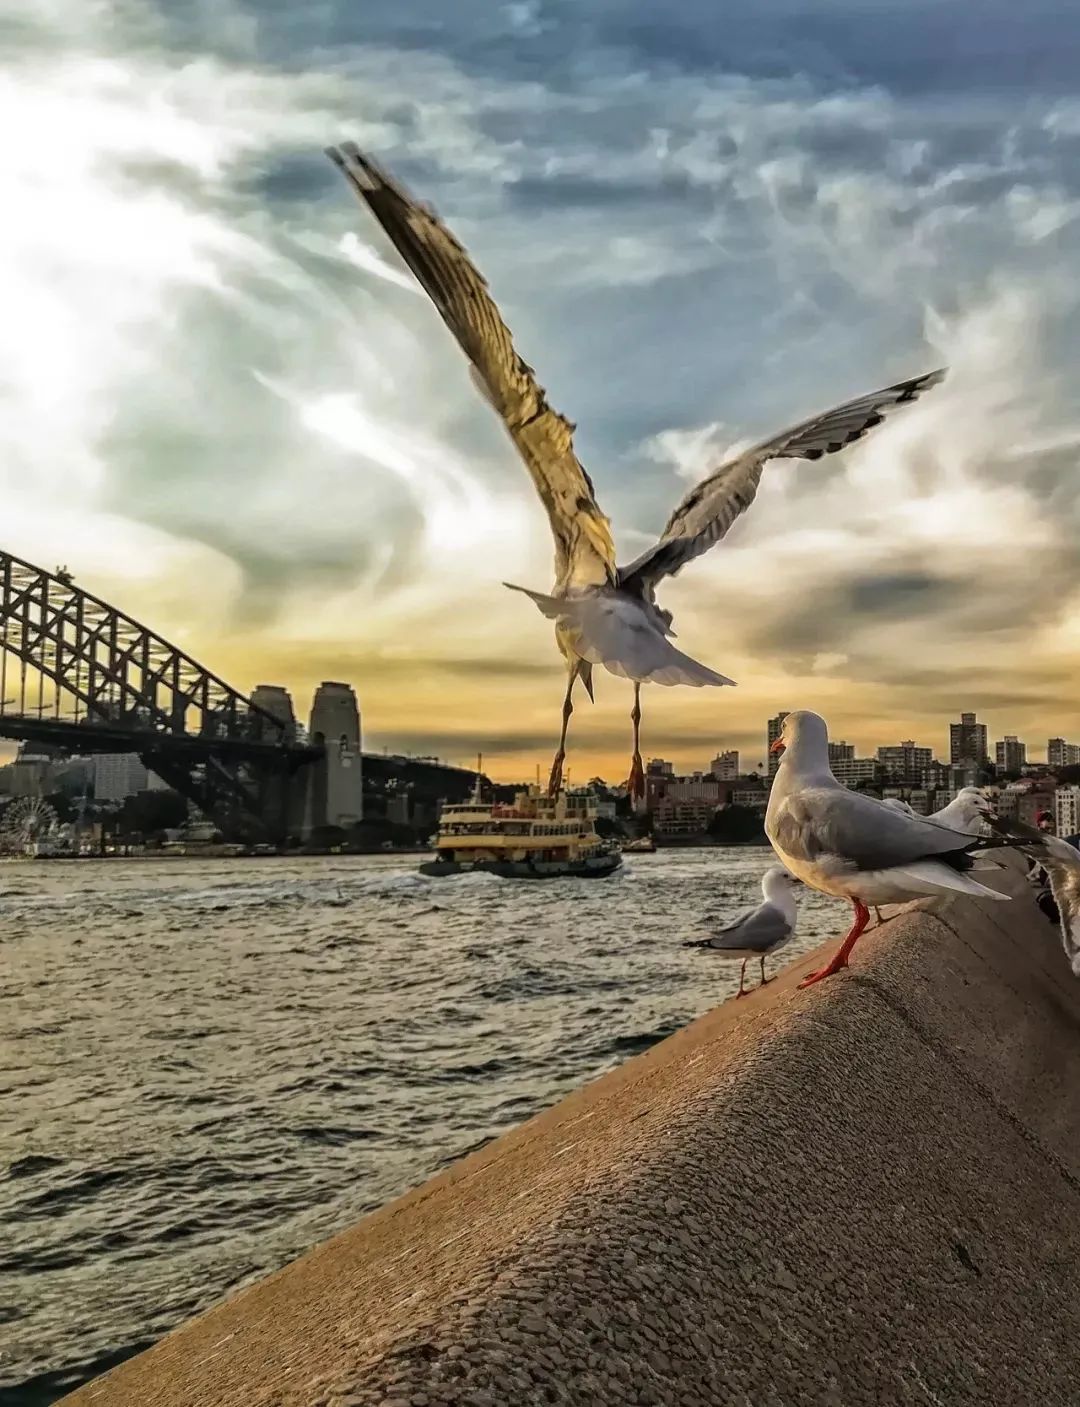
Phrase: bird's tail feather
x=931 y=872
x=603 y=630
x=552 y=606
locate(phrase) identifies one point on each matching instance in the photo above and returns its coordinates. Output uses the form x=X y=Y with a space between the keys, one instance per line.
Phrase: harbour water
x=208 y=1066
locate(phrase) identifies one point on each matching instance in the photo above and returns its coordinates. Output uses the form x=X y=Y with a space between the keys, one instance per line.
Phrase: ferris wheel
x=25 y=822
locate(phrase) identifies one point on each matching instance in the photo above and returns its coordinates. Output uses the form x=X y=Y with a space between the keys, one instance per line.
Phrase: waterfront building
x=118 y=775
x=906 y=762
x=841 y=752
x=725 y=766
x=1059 y=753
x=967 y=740
x=1010 y=755
x=1067 y=810
x=773 y=730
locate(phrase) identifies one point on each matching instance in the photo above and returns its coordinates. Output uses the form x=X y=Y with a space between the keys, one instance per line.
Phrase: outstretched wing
x=584 y=550
x=710 y=508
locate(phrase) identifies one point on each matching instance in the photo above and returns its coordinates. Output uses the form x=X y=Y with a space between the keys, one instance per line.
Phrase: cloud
x=214 y=370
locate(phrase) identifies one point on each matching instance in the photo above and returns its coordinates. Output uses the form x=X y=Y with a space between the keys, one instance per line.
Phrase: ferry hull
x=591 y=867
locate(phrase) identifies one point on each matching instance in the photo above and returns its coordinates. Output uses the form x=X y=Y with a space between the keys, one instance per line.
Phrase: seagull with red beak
x=843 y=843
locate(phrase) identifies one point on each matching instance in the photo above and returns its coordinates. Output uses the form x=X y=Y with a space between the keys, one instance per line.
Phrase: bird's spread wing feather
x=710 y=508
x=584 y=550
x=818 y=822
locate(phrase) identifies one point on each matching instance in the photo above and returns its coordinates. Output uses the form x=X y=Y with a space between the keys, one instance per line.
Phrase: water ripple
x=210 y=1066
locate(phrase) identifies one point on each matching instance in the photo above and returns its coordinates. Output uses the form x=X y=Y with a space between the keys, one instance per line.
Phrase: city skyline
x=267 y=447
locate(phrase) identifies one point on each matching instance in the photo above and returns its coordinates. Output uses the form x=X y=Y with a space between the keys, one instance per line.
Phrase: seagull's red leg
x=764 y=980
x=555 y=780
x=861 y=919
x=742 y=992
x=636 y=784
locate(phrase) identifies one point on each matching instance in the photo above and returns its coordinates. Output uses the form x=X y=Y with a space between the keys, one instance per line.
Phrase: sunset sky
x=227 y=408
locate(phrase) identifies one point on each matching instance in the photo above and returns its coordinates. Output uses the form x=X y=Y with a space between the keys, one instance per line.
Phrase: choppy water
x=207 y=1066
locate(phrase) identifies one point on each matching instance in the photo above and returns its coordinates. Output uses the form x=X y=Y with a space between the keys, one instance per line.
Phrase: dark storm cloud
x=296 y=176
x=832 y=610
x=914 y=48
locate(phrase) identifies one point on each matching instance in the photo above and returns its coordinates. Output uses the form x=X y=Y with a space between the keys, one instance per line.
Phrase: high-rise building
x=1010 y=755
x=773 y=731
x=906 y=762
x=841 y=752
x=1067 y=810
x=335 y=715
x=853 y=770
x=32 y=773
x=725 y=766
x=967 y=740
x=1059 y=753
x=277 y=701
x=657 y=767
x=118 y=775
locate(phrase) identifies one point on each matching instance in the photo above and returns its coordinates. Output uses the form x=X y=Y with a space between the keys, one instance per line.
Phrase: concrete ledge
x=867 y=1192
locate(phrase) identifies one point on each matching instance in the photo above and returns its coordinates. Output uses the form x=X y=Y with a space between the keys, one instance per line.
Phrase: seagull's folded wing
x=821 y=822
x=755 y=932
x=710 y=508
x=584 y=550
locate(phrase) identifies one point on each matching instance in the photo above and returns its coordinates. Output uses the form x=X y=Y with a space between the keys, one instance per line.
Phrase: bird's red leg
x=764 y=980
x=555 y=780
x=636 y=783
x=861 y=919
x=742 y=992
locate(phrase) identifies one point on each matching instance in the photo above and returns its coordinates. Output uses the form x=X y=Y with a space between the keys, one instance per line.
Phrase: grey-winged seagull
x=843 y=843
x=760 y=932
x=969 y=811
x=604 y=614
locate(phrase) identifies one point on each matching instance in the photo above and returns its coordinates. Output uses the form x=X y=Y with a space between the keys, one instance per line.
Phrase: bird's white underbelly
x=815 y=874
x=831 y=875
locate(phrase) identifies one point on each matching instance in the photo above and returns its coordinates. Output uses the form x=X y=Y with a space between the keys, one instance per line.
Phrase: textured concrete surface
x=864 y=1193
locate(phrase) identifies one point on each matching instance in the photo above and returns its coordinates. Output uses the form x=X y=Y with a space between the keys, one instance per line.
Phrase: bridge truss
x=77 y=673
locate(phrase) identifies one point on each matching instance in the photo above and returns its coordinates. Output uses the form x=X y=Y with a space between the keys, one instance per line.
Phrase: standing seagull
x=843 y=843
x=970 y=811
x=603 y=613
x=760 y=932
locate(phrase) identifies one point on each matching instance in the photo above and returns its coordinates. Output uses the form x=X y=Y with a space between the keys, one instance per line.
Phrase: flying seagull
x=604 y=614
x=760 y=932
x=843 y=843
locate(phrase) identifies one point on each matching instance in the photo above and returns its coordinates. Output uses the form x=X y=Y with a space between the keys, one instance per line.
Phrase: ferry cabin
x=534 y=827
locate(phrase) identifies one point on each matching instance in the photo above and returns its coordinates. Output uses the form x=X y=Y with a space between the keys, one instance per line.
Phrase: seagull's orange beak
x=778 y=746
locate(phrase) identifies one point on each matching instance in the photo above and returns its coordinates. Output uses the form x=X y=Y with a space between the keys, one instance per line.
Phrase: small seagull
x=969 y=811
x=841 y=842
x=760 y=932
x=603 y=614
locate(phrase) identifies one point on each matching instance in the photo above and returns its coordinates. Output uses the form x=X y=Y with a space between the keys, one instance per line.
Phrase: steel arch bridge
x=76 y=673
